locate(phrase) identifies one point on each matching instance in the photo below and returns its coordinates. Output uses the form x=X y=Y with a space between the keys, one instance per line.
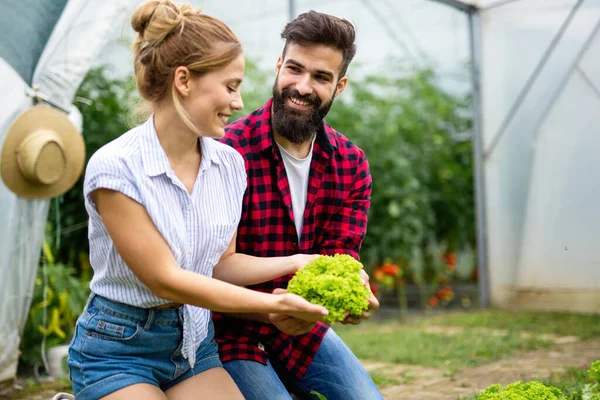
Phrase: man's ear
x=279 y=63
x=341 y=85
x=182 y=81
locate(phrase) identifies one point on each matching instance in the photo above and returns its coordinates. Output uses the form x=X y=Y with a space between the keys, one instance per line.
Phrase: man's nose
x=304 y=85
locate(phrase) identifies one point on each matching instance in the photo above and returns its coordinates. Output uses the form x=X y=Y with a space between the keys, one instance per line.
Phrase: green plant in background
x=60 y=295
x=571 y=385
x=105 y=105
x=319 y=395
x=591 y=391
x=256 y=89
x=417 y=139
x=519 y=391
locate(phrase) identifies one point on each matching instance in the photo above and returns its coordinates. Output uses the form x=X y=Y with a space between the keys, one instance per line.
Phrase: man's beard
x=295 y=125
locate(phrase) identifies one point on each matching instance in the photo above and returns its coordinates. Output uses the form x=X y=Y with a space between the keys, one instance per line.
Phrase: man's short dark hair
x=314 y=28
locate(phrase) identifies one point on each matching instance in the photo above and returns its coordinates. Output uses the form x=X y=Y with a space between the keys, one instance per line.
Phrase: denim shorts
x=117 y=345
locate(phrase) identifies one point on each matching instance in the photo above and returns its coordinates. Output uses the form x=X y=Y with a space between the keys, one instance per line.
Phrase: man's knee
x=256 y=381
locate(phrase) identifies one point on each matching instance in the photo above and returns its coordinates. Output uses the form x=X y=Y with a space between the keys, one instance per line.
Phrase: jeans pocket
x=108 y=327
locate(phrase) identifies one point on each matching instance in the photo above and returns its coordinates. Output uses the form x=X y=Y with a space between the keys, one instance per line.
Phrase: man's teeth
x=223 y=118
x=299 y=102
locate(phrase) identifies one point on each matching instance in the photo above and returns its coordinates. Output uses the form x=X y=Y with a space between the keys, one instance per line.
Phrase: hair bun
x=142 y=16
x=154 y=20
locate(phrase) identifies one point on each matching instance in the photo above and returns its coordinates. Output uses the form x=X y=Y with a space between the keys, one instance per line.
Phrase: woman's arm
x=147 y=254
x=243 y=270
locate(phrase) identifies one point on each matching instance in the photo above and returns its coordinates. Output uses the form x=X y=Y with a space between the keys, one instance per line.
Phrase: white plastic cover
x=540 y=94
x=79 y=35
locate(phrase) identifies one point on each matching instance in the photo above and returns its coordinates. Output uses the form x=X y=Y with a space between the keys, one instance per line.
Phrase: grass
x=32 y=389
x=383 y=380
x=571 y=383
x=488 y=336
x=584 y=326
x=397 y=343
x=411 y=343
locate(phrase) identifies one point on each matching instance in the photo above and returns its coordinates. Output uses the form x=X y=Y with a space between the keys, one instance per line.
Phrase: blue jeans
x=335 y=373
x=117 y=345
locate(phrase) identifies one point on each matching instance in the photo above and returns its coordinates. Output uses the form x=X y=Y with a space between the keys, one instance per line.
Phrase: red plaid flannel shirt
x=335 y=221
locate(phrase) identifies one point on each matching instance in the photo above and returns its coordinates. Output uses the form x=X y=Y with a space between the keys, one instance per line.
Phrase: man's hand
x=290 y=325
x=373 y=303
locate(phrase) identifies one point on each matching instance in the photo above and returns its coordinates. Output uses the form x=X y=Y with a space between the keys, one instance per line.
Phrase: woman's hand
x=301 y=260
x=295 y=306
x=288 y=324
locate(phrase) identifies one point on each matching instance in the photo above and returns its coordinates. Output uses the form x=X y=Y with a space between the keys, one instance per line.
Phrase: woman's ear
x=182 y=81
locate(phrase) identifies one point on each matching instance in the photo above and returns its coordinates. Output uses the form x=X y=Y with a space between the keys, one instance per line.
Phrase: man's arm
x=285 y=323
x=348 y=226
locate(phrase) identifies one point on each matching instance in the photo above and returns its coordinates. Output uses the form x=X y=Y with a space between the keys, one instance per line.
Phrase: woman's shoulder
x=123 y=150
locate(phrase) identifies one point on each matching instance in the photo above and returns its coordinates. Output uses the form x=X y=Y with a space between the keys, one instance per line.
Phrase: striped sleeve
x=105 y=172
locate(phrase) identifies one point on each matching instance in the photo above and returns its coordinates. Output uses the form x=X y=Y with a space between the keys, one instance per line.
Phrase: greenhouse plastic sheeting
x=539 y=87
x=78 y=36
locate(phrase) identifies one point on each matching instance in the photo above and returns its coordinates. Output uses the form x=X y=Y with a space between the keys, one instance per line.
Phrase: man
x=308 y=192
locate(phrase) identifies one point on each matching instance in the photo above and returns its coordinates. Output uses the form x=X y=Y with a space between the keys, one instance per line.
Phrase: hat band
x=41 y=157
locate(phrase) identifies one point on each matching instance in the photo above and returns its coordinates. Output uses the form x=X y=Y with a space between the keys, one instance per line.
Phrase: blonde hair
x=172 y=35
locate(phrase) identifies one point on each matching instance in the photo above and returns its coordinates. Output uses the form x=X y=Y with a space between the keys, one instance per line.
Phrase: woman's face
x=212 y=98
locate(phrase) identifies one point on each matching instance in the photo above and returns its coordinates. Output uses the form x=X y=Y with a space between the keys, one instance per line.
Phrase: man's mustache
x=311 y=99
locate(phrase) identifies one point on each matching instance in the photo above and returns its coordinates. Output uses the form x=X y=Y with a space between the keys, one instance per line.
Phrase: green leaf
x=319 y=395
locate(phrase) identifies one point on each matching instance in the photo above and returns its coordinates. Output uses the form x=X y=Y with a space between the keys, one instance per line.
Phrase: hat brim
x=35 y=119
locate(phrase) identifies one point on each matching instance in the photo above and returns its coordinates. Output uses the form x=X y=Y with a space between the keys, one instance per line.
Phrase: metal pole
x=459 y=5
x=292 y=9
x=478 y=160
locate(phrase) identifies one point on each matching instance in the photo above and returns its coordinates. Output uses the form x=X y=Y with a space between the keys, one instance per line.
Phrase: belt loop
x=180 y=314
x=150 y=321
x=89 y=300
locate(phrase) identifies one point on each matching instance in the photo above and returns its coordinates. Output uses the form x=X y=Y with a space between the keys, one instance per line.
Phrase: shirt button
x=294 y=245
x=261 y=347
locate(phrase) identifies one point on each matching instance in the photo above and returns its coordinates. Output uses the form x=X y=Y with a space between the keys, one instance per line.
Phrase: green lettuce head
x=333 y=282
x=519 y=391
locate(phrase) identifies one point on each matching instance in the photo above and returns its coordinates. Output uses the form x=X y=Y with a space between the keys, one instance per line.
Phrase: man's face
x=306 y=85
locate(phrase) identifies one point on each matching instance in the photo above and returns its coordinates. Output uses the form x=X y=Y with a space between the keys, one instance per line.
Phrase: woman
x=164 y=202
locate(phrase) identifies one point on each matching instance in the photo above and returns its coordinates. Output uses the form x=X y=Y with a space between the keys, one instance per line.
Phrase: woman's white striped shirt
x=198 y=227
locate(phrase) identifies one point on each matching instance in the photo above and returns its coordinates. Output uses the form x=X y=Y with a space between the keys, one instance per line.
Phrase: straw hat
x=42 y=155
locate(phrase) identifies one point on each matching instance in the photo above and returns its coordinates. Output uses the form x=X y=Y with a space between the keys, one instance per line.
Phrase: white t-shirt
x=297 y=171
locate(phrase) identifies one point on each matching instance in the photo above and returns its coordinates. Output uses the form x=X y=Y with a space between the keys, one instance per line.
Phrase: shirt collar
x=325 y=137
x=155 y=159
x=153 y=156
x=209 y=153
